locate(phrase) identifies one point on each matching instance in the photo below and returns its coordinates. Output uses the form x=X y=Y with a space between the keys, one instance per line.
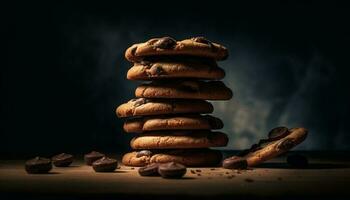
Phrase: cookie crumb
x=249 y=180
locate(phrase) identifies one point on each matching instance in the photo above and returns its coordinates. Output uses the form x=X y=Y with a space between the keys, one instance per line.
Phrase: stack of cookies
x=169 y=113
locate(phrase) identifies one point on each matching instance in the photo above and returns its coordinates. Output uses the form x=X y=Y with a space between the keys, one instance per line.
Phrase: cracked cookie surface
x=197 y=46
x=179 y=140
x=172 y=122
x=144 y=107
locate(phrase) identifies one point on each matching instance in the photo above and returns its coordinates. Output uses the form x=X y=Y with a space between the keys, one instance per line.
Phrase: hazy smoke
x=271 y=88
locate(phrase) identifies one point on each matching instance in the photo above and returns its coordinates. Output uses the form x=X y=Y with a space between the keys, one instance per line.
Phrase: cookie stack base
x=190 y=158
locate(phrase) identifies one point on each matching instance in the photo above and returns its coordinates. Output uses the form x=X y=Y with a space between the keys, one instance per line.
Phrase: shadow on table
x=310 y=166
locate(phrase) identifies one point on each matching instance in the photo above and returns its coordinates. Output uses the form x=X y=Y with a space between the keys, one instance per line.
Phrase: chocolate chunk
x=286 y=144
x=235 y=162
x=146 y=63
x=297 y=161
x=105 y=164
x=156 y=70
x=149 y=170
x=92 y=157
x=172 y=170
x=143 y=153
x=38 y=165
x=278 y=133
x=62 y=160
x=165 y=43
x=203 y=40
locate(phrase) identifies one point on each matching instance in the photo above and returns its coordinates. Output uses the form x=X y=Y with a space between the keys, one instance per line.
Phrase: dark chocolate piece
x=286 y=144
x=203 y=40
x=278 y=133
x=143 y=153
x=62 y=160
x=105 y=164
x=235 y=162
x=297 y=161
x=92 y=157
x=149 y=170
x=172 y=170
x=38 y=165
x=165 y=43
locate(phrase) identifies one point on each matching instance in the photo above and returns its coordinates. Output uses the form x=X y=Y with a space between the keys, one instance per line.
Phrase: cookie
x=188 y=157
x=172 y=122
x=185 y=89
x=167 y=46
x=179 y=140
x=143 y=107
x=270 y=149
x=175 y=69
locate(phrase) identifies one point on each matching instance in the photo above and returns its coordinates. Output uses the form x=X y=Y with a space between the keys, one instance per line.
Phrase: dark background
x=64 y=72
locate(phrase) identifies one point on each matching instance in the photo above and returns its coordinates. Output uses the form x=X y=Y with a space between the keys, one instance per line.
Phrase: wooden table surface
x=326 y=176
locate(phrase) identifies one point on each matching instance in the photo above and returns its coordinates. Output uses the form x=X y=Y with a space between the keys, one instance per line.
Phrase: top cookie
x=197 y=46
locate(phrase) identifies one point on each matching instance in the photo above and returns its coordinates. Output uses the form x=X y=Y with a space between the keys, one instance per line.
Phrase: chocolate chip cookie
x=274 y=146
x=172 y=122
x=179 y=140
x=144 y=107
x=187 y=157
x=197 y=46
x=175 y=69
x=185 y=89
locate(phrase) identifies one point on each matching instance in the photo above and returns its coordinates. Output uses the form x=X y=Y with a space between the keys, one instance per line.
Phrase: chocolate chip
x=235 y=162
x=192 y=171
x=105 y=164
x=62 y=160
x=38 y=165
x=203 y=40
x=172 y=170
x=278 y=133
x=92 y=157
x=149 y=170
x=156 y=70
x=146 y=63
x=143 y=153
x=286 y=144
x=198 y=170
x=165 y=43
x=297 y=161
